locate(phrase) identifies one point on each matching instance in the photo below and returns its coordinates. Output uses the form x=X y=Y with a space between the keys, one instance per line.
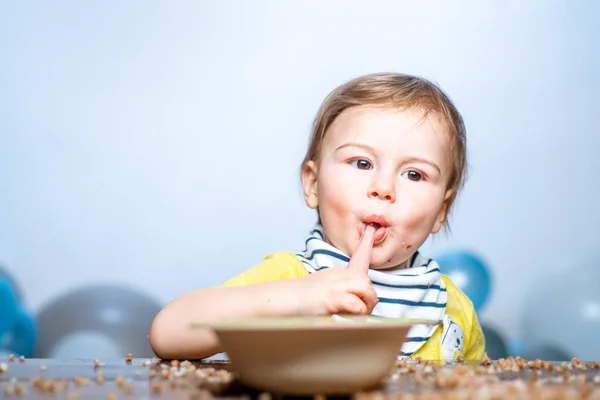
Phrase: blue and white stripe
x=415 y=292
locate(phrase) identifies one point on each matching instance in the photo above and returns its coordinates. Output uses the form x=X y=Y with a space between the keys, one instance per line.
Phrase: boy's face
x=381 y=166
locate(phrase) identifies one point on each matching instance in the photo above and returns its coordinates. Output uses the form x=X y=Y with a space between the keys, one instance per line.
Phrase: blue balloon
x=22 y=338
x=8 y=307
x=469 y=273
x=7 y=277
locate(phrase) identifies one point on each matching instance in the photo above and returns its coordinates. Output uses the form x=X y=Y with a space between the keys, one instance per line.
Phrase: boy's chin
x=382 y=262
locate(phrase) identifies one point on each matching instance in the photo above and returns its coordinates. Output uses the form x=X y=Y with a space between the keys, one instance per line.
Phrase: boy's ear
x=309 y=184
x=443 y=214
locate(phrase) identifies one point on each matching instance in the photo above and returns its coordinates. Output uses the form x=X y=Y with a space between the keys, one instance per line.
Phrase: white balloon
x=116 y=311
x=87 y=344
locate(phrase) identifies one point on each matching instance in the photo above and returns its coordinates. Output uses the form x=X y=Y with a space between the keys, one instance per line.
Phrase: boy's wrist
x=292 y=297
x=281 y=299
x=299 y=299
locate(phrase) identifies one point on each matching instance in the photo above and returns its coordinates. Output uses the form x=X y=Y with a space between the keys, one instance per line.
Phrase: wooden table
x=153 y=379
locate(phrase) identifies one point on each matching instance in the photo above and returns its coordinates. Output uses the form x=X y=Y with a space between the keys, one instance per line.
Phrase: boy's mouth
x=379 y=223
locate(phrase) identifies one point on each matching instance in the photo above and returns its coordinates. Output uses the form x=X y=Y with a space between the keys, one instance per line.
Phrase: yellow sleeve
x=461 y=310
x=274 y=267
x=475 y=348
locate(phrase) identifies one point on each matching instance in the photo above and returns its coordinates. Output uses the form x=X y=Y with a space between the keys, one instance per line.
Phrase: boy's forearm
x=172 y=338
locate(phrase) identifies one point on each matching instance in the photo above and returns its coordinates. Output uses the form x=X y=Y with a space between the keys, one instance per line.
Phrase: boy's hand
x=361 y=259
x=341 y=290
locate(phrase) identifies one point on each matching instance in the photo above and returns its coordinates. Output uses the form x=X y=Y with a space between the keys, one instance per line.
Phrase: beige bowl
x=312 y=355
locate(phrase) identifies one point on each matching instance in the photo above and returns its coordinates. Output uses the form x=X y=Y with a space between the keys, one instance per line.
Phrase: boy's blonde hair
x=393 y=90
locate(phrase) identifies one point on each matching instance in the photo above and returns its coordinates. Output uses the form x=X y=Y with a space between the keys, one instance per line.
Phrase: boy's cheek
x=413 y=217
x=418 y=211
x=340 y=197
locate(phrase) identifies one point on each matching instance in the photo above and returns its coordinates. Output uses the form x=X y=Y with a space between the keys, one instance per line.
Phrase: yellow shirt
x=285 y=265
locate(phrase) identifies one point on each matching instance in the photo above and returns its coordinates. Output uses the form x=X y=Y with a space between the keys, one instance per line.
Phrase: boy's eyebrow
x=413 y=159
x=364 y=146
x=425 y=161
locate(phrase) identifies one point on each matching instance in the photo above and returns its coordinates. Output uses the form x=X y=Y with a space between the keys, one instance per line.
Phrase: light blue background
x=158 y=143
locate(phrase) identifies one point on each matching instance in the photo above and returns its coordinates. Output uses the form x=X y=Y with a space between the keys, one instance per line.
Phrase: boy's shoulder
x=274 y=266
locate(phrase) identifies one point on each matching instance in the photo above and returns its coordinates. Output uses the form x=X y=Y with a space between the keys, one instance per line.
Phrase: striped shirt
x=417 y=292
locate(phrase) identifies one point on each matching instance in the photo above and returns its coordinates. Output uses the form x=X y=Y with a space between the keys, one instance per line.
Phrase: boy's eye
x=362 y=164
x=413 y=175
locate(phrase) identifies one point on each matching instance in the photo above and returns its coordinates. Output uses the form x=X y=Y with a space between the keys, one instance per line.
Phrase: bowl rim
x=318 y=322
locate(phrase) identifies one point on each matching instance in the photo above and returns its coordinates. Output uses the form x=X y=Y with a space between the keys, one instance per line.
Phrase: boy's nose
x=383 y=189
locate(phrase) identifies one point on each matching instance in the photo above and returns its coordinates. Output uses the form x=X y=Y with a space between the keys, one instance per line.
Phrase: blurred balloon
x=87 y=344
x=21 y=339
x=495 y=345
x=8 y=307
x=564 y=310
x=469 y=273
x=544 y=351
x=7 y=277
x=120 y=313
